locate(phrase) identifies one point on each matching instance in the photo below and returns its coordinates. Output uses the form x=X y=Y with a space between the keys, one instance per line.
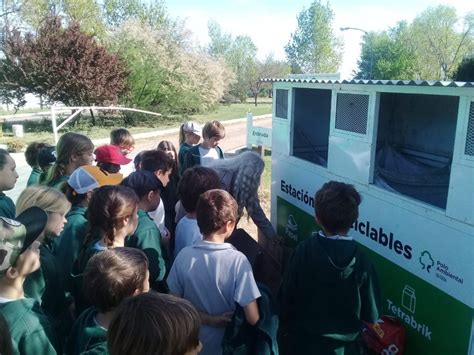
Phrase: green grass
x=42 y=130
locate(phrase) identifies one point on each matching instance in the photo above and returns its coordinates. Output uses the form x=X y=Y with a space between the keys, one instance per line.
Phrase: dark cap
x=16 y=235
x=142 y=182
x=46 y=156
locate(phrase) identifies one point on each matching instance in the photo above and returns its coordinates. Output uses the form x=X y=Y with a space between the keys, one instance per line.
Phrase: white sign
x=260 y=136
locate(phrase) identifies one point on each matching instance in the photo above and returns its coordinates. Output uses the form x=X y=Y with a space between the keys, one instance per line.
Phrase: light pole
x=370 y=45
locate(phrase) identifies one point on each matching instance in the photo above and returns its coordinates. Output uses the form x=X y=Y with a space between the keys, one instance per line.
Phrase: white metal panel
x=350 y=158
x=461 y=193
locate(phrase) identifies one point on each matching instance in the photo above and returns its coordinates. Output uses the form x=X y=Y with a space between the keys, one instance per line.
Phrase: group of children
x=92 y=262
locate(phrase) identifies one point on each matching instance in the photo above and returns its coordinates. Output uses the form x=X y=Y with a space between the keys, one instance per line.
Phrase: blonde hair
x=121 y=137
x=44 y=197
x=69 y=144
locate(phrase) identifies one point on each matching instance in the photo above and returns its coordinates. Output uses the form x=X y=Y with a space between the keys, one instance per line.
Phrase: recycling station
x=408 y=148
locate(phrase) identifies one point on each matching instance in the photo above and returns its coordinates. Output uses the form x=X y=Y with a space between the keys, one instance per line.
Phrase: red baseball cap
x=111 y=154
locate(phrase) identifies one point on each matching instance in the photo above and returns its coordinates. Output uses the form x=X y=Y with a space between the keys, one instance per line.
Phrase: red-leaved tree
x=61 y=64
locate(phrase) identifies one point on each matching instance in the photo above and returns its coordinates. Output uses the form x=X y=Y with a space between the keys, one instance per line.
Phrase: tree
x=164 y=75
x=313 y=47
x=239 y=54
x=269 y=68
x=86 y=13
x=61 y=64
x=117 y=12
x=465 y=71
x=387 y=55
x=439 y=46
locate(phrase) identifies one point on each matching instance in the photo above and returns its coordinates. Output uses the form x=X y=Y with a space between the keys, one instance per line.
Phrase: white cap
x=192 y=127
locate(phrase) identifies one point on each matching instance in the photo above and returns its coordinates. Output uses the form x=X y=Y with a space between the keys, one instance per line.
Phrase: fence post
x=249 y=129
x=55 y=125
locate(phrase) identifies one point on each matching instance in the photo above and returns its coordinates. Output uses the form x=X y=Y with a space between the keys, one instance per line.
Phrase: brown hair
x=214 y=209
x=193 y=183
x=3 y=157
x=167 y=146
x=213 y=129
x=31 y=153
x=154 y=160
x=154 y=323
x=112 y=275
x=121 y=137
x=108 y=208
x=337 y=206
x=69 y=144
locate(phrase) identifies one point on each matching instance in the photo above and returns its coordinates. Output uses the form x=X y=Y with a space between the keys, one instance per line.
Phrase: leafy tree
x=61 y=64
x=117 y=12
x=313 y=47
x=387 y=55
x=86 y=13
x=465 y=71
x=269 y=68
x=439 y=46
x=239 y=54
x=164 y=75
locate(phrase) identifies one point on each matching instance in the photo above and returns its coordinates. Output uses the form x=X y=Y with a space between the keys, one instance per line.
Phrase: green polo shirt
x=72 y=239
x=86 y=335
x=34 y=176
x=148 y=239
x=46 y=285
x=30 y=329
x=7 y=207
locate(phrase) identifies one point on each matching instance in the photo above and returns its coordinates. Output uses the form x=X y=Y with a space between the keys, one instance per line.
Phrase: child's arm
x=251 y=312
x=217 y=321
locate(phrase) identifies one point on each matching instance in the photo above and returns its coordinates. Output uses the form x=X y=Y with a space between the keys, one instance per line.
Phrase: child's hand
x=222 y=320
x=218 y=321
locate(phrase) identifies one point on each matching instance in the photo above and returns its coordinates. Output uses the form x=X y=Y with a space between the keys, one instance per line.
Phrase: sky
x=270 y=22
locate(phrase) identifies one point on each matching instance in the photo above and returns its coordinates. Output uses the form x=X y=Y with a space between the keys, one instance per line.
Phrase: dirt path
x=235 y=136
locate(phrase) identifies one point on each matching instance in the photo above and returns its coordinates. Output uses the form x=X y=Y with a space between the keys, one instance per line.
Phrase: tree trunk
x=256 y=97
x=92 y=117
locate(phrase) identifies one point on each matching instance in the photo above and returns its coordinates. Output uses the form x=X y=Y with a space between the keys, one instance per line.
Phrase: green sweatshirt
x=46 y=285
x=80 y=300
x=30 y=329
x=86 y=335
x=72 y=239
x=7 y=207
x=148 y=239
x=329 y=287
x=34 y=176
x=59 y=182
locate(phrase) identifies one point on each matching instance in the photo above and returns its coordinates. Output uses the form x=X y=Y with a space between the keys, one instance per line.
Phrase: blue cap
x=142 y=182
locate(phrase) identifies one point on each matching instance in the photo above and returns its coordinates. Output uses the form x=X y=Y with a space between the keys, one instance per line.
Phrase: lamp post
x=370 y=45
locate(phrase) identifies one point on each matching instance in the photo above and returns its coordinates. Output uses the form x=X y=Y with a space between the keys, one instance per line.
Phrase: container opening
x=415 y=142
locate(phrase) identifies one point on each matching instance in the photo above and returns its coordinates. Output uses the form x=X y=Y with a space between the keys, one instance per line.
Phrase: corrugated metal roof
x=458 y=84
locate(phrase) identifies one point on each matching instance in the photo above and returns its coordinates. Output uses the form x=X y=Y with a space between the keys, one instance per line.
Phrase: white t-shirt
x=213 y=277
x=208 y=155
x=158 y=216
x=186 y=234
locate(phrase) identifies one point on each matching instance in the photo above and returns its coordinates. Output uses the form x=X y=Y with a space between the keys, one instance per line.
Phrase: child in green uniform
x=79 y=189
x=8 y=178
x=109 y=277
x=206 y=152
x=154 y=323
x=112 y=216
x=189 y=135
x=330 y=286
x=31 y=156
x=147 y=236
x=72 y=151
x=44 y=284
x=30 y=330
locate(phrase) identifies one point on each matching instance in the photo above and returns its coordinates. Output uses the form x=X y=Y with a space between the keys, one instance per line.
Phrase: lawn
x=42 y=131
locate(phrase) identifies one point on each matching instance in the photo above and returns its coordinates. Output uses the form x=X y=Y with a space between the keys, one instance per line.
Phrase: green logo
x=426 y=261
